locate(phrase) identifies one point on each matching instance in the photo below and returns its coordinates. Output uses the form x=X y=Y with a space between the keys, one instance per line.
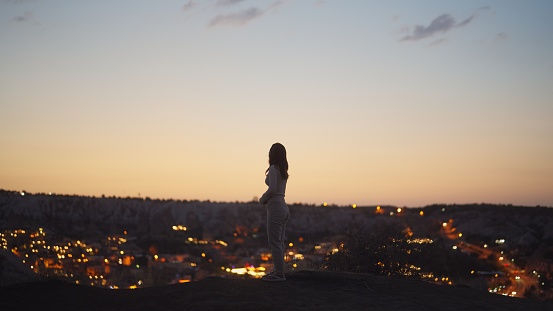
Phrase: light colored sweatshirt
x=277 y=185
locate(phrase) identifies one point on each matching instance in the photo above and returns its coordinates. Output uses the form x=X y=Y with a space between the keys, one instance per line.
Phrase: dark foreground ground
x=304 y=290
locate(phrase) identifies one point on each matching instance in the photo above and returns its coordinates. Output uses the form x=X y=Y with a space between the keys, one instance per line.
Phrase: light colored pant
x=277 y=216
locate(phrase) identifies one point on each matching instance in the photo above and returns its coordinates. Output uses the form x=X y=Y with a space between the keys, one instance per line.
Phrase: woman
x=277 y=210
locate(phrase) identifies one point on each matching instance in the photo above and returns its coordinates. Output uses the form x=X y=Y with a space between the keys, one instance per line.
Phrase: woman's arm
x=272 y=185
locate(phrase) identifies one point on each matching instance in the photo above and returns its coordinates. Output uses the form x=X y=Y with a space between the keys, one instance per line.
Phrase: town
x=117 y=262
x=132 y=243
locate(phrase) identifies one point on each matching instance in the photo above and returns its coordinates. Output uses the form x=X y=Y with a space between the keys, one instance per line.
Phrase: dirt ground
x=303 y=290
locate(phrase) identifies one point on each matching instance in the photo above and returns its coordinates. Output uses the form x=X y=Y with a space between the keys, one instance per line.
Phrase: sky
x=405 y=103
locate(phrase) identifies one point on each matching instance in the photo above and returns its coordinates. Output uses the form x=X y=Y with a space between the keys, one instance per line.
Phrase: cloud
x=189 y=5
x=25 y=17
x=439 y=41
x=227 y=2
x=439 y=25
x=501 y=36
x=238 y=18
x=277 y=4
x=245 y=16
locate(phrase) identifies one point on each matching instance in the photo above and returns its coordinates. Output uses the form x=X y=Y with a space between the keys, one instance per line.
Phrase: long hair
x=277 y=157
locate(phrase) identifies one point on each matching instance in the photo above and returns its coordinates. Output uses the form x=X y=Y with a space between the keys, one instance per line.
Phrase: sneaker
x=271 y=277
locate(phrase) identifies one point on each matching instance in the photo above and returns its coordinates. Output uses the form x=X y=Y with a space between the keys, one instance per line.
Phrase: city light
x=101 y=262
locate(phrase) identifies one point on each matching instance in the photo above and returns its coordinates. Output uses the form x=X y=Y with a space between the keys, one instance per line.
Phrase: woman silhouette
x=277 y=210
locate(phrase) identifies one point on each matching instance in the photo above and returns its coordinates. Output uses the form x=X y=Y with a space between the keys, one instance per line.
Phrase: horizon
x=401 y=104
x=315 y=204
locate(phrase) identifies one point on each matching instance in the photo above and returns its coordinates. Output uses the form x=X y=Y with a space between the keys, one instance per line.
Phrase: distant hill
x=304 y=290
x=525 y=227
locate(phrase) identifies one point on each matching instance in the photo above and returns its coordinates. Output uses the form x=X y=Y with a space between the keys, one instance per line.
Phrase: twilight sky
x=405 y=103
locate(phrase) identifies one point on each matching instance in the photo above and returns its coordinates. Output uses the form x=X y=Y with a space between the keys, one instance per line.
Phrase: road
x=519 y=281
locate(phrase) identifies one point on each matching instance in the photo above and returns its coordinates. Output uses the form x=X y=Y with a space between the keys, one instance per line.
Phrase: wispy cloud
x=439 y=25
x=189 y=5
x=243 y=17
x=228 y=2
x=501 y=36
x=320 y=3
x=237 y=19
x=25 y=17
x=437 y=42
x=277 y=4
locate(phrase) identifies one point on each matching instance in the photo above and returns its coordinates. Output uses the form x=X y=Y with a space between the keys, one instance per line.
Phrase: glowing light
x=399 y=209
x=250 y=270
x=290 y=244
x=354 y=206
x=460 y=235
x=239 y=271
x=444 y=224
